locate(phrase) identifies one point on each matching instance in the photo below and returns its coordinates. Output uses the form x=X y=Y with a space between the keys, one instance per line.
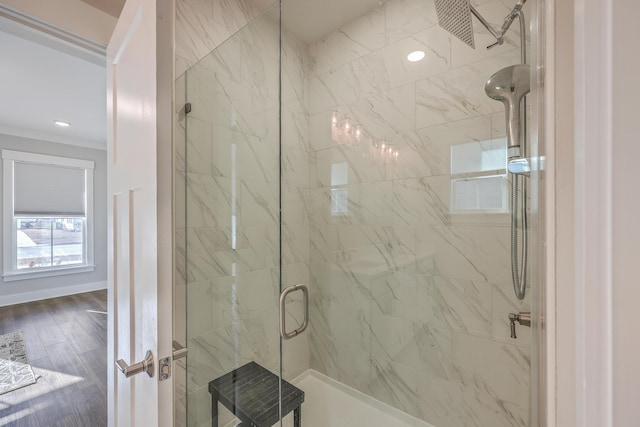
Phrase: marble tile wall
x=410 y=300
x=203 y=25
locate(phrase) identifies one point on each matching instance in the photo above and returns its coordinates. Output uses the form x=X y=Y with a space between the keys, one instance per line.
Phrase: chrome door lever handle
x=144 y=366
x=179 y=351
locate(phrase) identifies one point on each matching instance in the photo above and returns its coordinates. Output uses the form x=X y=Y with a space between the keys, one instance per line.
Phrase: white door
x=139 y=218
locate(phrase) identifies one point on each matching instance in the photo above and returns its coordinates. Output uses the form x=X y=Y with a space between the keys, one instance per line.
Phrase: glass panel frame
x=232 y=223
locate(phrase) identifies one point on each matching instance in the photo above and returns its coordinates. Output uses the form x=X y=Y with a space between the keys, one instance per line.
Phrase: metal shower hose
x=519 y=277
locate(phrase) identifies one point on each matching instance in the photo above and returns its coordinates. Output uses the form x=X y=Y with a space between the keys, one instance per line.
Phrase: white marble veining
x=386 y=114
x=338 y=331
x=426 y=281
x=235 y=154
x=460 y=305
x=360 y=167
x=399 y=71
x=429 y=352
x=295 y=126
x=237 y=107
x=295 y=68
x=407 y=17
x=295 y=244
x=408 y=300
x=421 y=201
x=356 y=39
x=499 y=369
x=381 y=70
x=196 y=35
x=464 y=252
x=295 y=166
x=203 y=25
x=199 y=145
x=459 y=94
x=392 y=383
x=210 y=251
x=208 y=200
x=234 y=14
x=250 y=59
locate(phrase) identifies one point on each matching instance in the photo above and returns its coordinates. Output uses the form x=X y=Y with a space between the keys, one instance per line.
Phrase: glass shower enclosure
x=317 y=153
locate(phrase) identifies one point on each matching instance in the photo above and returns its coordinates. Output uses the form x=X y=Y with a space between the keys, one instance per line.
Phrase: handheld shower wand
x=509 y=86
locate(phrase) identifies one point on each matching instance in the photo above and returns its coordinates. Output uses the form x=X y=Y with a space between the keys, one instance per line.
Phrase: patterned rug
x=15 y=370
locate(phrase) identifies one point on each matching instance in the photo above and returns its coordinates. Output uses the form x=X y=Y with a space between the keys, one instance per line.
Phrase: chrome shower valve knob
x=523 y=318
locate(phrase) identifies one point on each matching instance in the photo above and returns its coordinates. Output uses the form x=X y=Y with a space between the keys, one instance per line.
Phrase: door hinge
x=187 y=108
x=164 y=368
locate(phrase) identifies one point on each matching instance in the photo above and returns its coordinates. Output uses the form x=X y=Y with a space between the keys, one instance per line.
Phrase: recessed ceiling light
x=62 y=124
x=415 y=56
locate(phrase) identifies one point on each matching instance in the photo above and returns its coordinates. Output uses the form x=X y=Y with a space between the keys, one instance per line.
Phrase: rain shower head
x=509 y=86
x=455 y=17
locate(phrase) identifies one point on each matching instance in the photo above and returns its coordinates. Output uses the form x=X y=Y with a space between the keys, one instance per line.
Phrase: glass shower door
x=232 y=228
x=318 y=154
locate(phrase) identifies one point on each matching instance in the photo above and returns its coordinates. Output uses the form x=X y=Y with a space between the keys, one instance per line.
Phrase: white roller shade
x=50 y=190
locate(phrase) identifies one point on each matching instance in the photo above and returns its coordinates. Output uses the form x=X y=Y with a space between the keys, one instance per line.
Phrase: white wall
x=563 y=380
x=596 y=376
x=33 y=289
x=625 y=206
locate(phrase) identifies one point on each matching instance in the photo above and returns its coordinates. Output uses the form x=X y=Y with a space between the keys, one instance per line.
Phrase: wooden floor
x=67 y=346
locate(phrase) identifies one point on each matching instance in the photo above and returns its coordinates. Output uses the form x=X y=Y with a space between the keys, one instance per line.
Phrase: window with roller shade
x=48 y=215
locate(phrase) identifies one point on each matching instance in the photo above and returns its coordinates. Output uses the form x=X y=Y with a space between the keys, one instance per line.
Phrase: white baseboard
x=50 y=293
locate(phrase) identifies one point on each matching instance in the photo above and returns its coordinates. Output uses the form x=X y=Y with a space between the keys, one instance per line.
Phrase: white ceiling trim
x=49 y=137
x=37 y=30
x=72 y=88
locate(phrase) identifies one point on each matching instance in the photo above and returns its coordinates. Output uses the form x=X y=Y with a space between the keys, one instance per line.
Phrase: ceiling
x=310 y=20
x=112 y=7
x=42 y=80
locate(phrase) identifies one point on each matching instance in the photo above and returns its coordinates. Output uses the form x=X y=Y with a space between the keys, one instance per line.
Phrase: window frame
x=477 y=174
x=10 y=271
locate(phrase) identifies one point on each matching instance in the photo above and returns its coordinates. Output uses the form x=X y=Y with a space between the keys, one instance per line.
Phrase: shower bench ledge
x=251 y=393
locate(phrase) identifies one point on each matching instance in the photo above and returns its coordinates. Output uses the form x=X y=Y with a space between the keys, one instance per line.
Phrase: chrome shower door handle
x=147 y=365
x=305 y=322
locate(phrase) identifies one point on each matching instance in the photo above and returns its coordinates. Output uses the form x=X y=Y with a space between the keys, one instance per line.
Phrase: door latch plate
x=164 y=368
